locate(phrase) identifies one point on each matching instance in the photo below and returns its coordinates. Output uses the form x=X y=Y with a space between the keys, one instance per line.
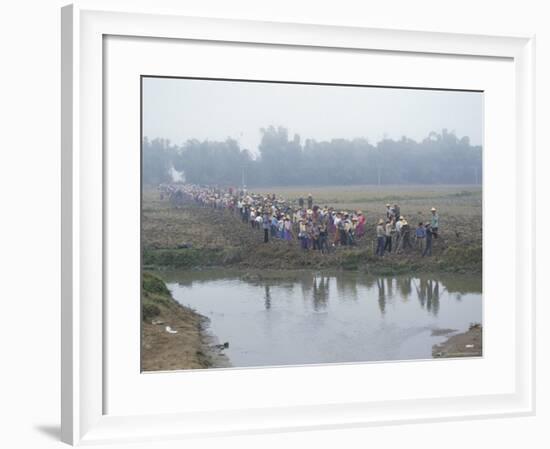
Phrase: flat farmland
x=450 y=200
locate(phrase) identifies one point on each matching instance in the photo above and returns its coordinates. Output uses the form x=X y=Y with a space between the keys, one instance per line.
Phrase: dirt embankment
x=194 y=237
x=173 y=336
x=466 y=344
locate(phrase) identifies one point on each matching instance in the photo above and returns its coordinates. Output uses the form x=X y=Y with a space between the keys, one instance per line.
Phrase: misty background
x=230 y=133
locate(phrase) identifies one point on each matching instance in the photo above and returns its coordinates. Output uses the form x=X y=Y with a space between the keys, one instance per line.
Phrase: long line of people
x=314 y=227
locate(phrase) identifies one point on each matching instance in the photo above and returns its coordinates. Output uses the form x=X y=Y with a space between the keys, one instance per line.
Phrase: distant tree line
x=440 y=158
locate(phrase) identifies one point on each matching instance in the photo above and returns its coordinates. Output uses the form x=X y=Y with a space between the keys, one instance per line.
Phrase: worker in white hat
x=398 y=225
x=390 y=213
x=405 y=235
x=434 y=224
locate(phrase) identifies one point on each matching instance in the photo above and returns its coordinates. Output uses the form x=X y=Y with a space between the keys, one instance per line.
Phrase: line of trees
x=440 y=158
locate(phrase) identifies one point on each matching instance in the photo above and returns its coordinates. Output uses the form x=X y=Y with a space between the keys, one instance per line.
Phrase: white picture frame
x=84 y=195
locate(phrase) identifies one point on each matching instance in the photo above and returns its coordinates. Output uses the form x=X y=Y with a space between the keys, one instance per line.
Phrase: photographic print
x=305 y=223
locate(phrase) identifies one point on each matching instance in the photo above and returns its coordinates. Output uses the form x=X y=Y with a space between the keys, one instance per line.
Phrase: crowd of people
x=314 y=227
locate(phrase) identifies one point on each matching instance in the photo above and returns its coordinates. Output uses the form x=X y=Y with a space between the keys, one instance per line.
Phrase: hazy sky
x=181 y=109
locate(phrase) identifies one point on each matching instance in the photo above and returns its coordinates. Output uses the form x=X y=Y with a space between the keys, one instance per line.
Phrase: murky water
x=272 y=318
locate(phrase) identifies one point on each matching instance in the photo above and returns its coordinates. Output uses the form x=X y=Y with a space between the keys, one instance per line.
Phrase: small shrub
x=149 y=311
x=152 y=284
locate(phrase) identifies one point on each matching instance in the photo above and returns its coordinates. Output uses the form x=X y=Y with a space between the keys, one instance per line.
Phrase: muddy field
x=194 y=237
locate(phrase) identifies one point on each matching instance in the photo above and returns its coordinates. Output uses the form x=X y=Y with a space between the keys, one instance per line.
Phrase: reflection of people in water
x=347 y=286
x=267 y=297
x=389 y=284
x=306 y=283
x=320 y=292
x=381 y=295
x=428 y=294
x=433 y=297
x=422 y=291
x=404 y=286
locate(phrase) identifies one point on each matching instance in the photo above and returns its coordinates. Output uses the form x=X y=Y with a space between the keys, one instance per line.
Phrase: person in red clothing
x=361 y=220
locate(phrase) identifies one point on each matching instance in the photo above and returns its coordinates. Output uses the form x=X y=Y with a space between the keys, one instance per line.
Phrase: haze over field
x=182 y=109
x=260 y=134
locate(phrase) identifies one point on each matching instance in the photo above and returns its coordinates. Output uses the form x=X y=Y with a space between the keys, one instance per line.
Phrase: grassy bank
x=453 y=260
x=173 y=336
x=194 y=237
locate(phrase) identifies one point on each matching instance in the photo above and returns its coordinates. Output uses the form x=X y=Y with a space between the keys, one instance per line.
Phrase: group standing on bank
x=395 y=233
x=314 y=227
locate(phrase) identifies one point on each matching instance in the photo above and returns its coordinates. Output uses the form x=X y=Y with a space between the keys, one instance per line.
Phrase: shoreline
x=376 y=269
x=269 y=276
x=173 y=336
x=464 y=344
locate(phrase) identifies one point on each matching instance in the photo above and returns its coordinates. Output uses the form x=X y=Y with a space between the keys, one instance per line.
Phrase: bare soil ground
x=466 y=344
x=165 y=351
x=186 y=345
x=195 y=237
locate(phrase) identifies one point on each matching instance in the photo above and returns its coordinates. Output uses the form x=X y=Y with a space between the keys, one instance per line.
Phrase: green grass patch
x=156 y=296
x=462 y=258
x=152 y=284
x=354 y=260
x=189 y=257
